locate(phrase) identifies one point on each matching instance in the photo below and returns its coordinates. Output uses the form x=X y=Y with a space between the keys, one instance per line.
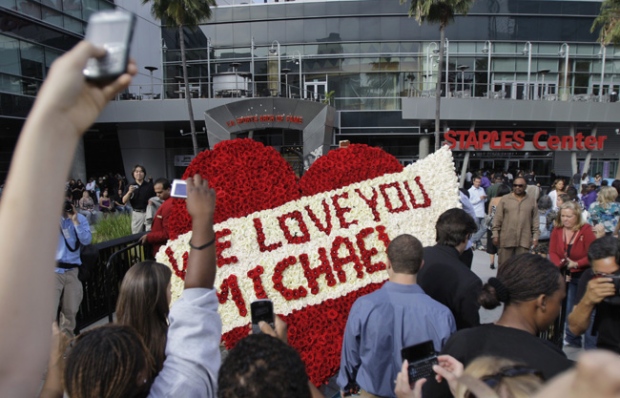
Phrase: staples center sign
x=465 y=140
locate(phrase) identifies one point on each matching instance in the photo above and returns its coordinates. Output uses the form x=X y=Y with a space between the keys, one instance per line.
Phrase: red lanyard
x=569 y=243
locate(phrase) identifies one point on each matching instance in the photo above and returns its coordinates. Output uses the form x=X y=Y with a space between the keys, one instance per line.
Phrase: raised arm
x=192 y=350
x=65 y=107
x=201 y=207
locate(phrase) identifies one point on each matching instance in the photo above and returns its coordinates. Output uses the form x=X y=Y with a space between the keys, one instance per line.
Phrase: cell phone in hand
x=179 y=189
x=421 y=358
x=112 y=30
x=261 y=310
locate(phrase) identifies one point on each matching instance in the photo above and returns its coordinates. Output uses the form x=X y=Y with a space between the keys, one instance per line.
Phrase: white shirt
x=475 y=198
x=553 y=195
x=193 y=348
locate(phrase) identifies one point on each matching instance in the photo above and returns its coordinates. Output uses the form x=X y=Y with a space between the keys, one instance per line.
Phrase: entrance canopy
x=314 y=119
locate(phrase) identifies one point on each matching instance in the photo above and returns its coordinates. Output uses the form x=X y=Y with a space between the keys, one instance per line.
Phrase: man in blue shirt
x=381 y=323
x=74 y=233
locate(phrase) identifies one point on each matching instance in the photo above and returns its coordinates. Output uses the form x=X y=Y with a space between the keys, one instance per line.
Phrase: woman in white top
x=558 y=188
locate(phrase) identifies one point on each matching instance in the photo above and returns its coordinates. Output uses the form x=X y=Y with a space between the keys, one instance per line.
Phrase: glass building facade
x=363 y=56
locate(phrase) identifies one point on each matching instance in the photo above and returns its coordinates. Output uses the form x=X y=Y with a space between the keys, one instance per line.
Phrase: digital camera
x=615 y=299
x=68 y=207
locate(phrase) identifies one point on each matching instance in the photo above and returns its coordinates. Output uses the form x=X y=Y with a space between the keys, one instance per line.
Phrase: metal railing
x=101 y=291
x=202 y=89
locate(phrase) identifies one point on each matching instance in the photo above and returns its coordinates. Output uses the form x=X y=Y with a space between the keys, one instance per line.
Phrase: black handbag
x=90 y=258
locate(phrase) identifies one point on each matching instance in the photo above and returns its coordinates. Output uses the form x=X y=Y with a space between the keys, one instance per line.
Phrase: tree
x=609 y=22
x=441 y=12
x=180 y=14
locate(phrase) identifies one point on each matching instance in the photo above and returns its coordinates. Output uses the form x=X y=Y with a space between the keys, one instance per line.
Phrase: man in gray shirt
x=381 y=323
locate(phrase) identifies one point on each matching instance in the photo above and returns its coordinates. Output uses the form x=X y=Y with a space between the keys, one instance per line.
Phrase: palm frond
x=181 y=12
x=437 y=11
x=608 y=22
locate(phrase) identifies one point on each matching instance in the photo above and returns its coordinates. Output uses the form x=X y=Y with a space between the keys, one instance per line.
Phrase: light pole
x=543 y=89
x=429 y=72
x=298 y=61
x=164 y=49
x=208 y=67
x=252 y=67
x=527 y=49
x=564 y=52
x=447 y=51
x=602 y=53
x=488 y=49
x=271 y=51
x=286 y=71
x=463 y=68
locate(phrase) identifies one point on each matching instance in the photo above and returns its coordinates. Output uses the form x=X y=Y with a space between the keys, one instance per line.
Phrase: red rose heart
x=250 y=177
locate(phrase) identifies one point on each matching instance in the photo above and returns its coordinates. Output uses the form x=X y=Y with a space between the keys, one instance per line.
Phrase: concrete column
x=586 y=164
x=573 y=156
x=145 y=147
x=464 y=168
x=465 y=165
x=78 y=168
x=423 y=146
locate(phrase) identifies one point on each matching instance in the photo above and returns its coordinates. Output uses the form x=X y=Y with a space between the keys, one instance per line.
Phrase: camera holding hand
x=615 y=280
x=68 y=207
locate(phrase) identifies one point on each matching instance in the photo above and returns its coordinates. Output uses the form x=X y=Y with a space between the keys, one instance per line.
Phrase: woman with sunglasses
x=531 y=289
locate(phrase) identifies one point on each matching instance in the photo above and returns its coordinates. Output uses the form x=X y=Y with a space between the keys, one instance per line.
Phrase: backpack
x=545 y=231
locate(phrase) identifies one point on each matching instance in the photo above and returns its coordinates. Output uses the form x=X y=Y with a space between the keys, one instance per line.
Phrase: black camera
x=68 y=207
x=615 y=299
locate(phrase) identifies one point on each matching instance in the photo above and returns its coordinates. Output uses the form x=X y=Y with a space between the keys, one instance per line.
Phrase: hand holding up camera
x=67 y=98
x=598 y=289
x=200 y=199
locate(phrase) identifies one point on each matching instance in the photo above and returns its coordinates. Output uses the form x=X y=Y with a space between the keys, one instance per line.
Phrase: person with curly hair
x=605 y=211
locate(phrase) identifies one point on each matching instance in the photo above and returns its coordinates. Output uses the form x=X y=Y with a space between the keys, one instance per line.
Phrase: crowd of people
x=99 y=197
x=432 y=296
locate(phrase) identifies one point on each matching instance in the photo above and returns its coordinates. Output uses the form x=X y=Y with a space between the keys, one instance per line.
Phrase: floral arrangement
x=311 y=246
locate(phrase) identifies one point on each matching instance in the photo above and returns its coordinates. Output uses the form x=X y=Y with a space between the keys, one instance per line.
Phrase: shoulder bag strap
x=77 y=244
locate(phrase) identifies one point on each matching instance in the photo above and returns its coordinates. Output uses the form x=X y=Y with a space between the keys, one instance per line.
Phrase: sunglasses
x=518 y=185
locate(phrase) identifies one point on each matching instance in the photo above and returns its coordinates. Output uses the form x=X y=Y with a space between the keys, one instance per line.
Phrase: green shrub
x=112 y=227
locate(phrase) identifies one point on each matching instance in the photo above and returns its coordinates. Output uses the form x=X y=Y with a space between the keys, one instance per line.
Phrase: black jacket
x=446 y=279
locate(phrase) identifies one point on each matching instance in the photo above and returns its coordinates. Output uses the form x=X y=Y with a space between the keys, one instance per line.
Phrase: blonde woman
x=605 y=211
x=568 y=250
